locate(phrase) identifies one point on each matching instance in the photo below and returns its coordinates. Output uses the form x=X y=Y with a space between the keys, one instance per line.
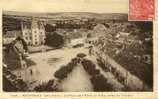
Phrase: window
x=29 y=43
x=25 y=33
x=36 y=43
x=25 y=27
x=26 y=38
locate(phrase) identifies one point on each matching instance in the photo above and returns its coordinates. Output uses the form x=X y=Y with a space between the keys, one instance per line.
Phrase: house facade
x=33 y=32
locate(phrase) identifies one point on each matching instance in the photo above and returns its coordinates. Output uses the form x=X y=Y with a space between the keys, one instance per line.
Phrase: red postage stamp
x=141 y=10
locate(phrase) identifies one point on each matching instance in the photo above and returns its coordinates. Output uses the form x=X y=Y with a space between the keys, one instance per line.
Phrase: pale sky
x=101 y=6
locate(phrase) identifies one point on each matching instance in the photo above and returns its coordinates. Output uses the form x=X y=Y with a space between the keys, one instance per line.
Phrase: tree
x=54 y=40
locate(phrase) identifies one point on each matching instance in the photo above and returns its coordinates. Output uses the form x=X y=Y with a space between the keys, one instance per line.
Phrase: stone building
x=10 y=36
x=99 y=30
x=33 y=32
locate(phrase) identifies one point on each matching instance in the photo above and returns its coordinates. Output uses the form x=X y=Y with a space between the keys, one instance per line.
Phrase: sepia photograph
x=76 y=52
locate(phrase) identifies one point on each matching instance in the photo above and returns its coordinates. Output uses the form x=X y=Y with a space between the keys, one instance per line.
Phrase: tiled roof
x=14 y=33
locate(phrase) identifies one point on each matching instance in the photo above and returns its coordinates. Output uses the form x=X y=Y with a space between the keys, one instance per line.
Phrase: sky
x=99 y=6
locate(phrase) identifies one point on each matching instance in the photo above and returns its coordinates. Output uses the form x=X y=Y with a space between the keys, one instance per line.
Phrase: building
x=122 y=37
x=33 y=32
x=26 y=31
x=77 y=41
x=99 y=30
x=10 y=36
x=147 y=58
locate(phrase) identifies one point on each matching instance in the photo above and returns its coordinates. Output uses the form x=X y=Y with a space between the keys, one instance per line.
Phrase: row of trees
x=97 y=79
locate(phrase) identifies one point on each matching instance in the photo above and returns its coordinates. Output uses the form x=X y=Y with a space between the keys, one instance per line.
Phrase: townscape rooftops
x=13 y=33
x=99 y=27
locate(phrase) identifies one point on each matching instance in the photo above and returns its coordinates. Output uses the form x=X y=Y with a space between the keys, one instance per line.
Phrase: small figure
x=90 y=50
x=31 y=72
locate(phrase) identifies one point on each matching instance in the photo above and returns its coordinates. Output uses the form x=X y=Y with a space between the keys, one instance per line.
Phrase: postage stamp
x=141 y=10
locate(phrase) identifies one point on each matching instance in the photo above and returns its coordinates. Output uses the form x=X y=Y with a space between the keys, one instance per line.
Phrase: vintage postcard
x=78 y=49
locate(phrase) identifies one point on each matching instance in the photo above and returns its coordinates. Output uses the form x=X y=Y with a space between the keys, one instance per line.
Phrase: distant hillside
x=67 y=15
